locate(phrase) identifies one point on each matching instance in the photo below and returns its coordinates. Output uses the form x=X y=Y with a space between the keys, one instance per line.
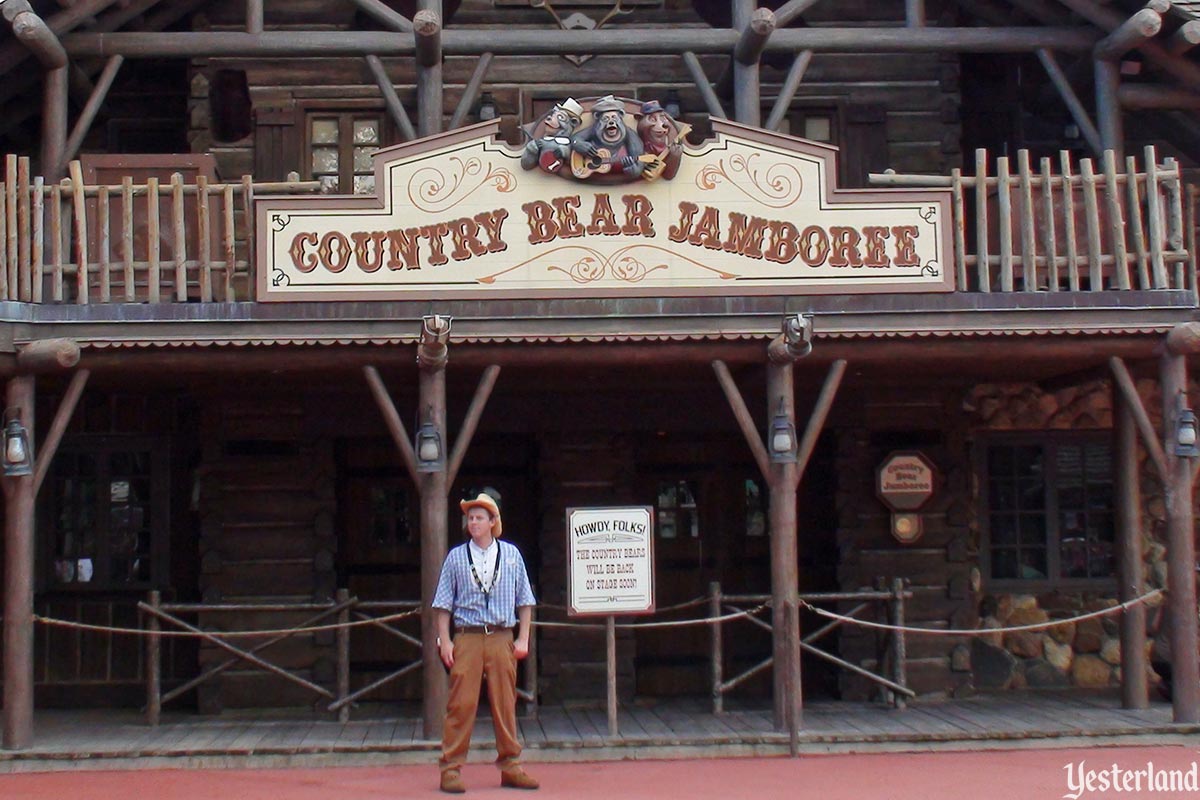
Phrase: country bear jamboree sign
x=605 y=199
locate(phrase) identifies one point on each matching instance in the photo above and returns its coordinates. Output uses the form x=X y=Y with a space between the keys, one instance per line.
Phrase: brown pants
x=477 y=655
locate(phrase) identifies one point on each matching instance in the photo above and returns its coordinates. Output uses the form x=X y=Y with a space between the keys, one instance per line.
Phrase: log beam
x=791 y=10
x=471 y=421
x=62 y=416
x=1184 y=339
x=385 y=14
x=48 y=355
x=790 y=84
x=88 y=115
x=1067 y=92
x=471 y=91
x=33 y=32
x=427 y=33
x=1136 y=96
x=696 y=70
x=747 y=85
x=1124 y=383
x=1182 y=69
x=54 y=125
x=1185 y=38
x=754 y=36
x=1131 y=34
x=300 y=44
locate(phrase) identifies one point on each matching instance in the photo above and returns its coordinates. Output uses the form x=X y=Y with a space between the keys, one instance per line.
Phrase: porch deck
x=120 y=739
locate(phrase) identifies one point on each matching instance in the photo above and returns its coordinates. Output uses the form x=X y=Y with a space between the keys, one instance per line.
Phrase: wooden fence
x=1082 y=228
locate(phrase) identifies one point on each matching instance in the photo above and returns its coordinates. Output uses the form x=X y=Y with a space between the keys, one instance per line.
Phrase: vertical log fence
x=1086 y=228
x=78 y=243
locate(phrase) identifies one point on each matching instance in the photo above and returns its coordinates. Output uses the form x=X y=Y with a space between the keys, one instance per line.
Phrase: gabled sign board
x=746 y=212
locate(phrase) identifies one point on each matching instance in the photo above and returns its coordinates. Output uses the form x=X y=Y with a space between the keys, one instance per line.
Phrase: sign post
x=611 y=556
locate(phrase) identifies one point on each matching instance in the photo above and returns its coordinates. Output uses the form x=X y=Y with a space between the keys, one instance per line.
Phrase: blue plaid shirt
x=458 y=593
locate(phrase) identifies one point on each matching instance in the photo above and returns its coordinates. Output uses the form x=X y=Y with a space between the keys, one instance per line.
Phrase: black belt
x=486 y=630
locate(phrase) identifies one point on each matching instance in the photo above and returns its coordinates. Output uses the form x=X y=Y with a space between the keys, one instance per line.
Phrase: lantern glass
x=17 y=460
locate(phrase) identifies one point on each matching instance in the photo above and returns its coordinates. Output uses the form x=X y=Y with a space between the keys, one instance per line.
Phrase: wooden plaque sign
x=906 y=481
x=606 y=199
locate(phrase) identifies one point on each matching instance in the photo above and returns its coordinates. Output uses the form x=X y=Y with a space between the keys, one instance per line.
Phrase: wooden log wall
x=267 y=536
x=936 y=567
x=908 y=120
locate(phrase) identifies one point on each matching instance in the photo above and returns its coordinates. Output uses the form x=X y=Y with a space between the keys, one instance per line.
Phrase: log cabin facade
x=250 y=461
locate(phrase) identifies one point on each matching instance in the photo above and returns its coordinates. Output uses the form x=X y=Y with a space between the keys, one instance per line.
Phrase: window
x=340 y=146
x=677 y=514
x=1049 y=509
x=106 y=515
x=390 y=523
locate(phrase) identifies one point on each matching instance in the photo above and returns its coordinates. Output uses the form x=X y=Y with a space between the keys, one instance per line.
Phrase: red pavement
x=978 y=775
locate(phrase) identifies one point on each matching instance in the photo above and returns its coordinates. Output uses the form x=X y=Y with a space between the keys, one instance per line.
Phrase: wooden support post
x=153 y=661
x=471 y=422
x=754 y=36
x=254 y=16
x=1123 y=382
x=427 y=28
x=711 y=101
x=747 y=87
x=88 y=114
x=781 y=484
x=342 y=597
x=790 y=84
x=390 y=98
x=718 y=648
x=914 y=13
x=62 y=417
x=899 y=644
x=431 y=359
x=1186 y=71
x=1108 y=107
x=1129 y=553
x=54 y=125
x=1130 y=34
x=1181 y=548
x=394 y=424
x=18 y=581
x=1185 y=38
x=385 y=14
x=610 y=671
x=792 y=9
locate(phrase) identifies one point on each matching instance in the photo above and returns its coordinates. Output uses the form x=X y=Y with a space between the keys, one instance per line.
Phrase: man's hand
x=446 y=651
x=520 y=647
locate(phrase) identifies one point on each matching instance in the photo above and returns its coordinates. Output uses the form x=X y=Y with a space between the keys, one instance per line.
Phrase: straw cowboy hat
x=485 y=502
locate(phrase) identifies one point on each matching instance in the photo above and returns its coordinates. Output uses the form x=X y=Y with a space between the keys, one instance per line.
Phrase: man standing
x=485 y=588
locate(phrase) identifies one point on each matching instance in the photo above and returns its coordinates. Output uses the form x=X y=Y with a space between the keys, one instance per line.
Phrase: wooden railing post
x=531 y=669
x=343 y=654
x=899 y=649
x=714 y=609
x=153 y=661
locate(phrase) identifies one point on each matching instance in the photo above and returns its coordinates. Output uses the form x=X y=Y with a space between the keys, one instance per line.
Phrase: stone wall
x=1088 y=653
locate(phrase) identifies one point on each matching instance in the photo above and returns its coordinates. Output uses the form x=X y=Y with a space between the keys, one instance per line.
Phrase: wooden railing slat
x=103 y=245
x=1154 y=220
x=152 y=242
x=56 y=242
x=248 y=219
x=1049 y=235
x=229 y=237
x=79 y=233
x=1091 y=207
x=1069 y=222
x=1029 y=271
x=982 y=268
x=37 y=250
x=1004 y=212
x=3 y=243
x=202 y=239
x=1134 y=204
x=10 y=226
x=960 y=229
x=127 y=237
x=1175 y=235
x=24 y=279
x=1116 y=221
x=179 y=233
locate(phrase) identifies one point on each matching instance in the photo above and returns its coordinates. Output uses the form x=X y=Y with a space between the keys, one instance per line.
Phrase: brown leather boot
x=452 y=782
x=517 y=778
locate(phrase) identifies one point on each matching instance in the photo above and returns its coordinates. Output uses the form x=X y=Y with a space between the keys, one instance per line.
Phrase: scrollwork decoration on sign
x=931 y=268
x=434 y=191
x=776 y=186
x=593 y=265
x=280 y=278
x=280 y=221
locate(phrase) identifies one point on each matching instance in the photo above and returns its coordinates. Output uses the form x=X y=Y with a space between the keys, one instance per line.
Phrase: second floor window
x=340 y=146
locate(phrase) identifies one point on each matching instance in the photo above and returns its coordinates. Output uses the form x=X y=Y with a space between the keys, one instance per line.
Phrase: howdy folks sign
x=464 y=215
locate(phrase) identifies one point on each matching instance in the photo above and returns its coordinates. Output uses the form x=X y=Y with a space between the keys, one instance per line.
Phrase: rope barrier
x=63 y=623
x=1036 y=626
x=696 y=601
x=671 y=624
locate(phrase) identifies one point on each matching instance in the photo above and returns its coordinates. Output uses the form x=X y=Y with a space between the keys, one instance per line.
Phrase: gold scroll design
x=434 y=191
x=777 y=186
x=591 y=265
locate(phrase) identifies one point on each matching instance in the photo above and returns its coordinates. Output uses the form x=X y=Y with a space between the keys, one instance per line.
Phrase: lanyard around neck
x=475 y=573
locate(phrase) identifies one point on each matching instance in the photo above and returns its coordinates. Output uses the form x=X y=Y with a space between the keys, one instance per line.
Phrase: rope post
x=531 y=669
x=714 y=609
x=791 y=616
x=153 y=662
x=899 y=654
x=343 y=654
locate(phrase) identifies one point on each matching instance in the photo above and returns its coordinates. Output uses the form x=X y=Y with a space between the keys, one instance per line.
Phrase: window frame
x=157 y=506
x=1050 y=441
x=345 y=112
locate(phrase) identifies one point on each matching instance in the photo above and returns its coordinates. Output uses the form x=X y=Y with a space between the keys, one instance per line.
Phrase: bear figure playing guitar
x=608 y=145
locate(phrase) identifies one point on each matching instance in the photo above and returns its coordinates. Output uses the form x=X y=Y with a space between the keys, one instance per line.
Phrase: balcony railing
x=1082 y=228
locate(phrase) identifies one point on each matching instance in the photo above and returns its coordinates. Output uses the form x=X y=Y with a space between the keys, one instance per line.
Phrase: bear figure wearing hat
x=553 y=148
x=608 y=144
x=661 y=136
